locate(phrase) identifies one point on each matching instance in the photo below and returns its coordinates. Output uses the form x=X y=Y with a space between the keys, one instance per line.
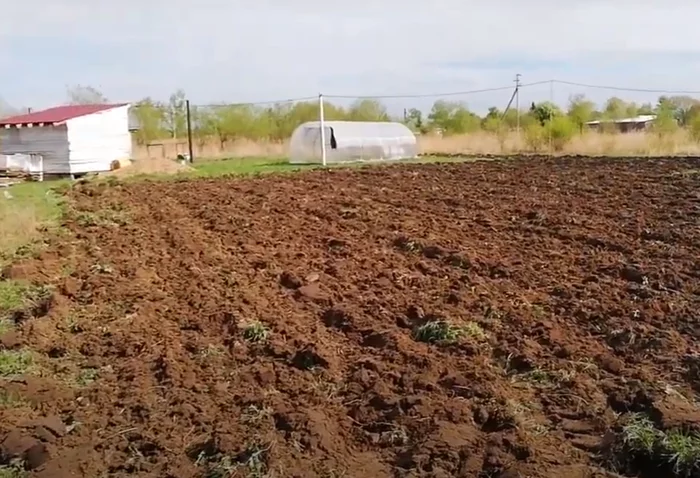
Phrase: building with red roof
x=73 y=139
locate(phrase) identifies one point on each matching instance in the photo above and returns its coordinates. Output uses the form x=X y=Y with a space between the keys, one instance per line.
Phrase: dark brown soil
x=583 y=274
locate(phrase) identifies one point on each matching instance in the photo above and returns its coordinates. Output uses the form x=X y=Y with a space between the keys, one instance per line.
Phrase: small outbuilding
x=348 y=141
x=625 y=125
x=73 y=140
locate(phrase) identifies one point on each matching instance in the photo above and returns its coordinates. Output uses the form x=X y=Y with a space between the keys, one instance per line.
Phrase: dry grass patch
x=25 y=209
x=480 y=142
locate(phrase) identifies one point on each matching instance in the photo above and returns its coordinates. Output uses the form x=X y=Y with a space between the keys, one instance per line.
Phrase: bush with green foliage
x=535 y=137
x=694 y=129
x=561 y=129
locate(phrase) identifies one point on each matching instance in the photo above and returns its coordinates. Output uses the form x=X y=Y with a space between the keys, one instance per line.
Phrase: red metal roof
x=58 y=114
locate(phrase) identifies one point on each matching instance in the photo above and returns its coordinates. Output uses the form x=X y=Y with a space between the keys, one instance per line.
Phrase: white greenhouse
x=348 y=141
x=73 y=140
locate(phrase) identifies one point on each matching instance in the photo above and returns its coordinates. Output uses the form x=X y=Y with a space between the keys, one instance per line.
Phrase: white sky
x=239 y=51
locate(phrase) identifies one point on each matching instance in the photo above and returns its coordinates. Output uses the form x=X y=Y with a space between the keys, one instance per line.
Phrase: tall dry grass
x=24 y=209
x=589 y=143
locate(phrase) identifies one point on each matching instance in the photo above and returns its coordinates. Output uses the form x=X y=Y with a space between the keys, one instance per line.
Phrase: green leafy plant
x=256 y=332
x=443 y=332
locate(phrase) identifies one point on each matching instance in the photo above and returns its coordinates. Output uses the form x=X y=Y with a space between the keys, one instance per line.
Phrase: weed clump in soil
x=256 y=332
x=14 y=362
x=17 y=299
x=443 y=332
x=643 y=446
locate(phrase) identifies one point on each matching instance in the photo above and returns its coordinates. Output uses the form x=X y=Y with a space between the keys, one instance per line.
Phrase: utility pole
x=517 y=105
x=189 y=130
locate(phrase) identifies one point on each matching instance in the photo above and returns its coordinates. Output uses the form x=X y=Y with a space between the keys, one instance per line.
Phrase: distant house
x=73 y=140
x=626 y=125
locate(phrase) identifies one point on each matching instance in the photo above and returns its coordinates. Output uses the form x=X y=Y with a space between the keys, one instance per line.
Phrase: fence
x=441 y=119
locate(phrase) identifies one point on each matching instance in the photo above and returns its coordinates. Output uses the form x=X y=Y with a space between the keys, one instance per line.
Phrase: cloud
x=238 y=50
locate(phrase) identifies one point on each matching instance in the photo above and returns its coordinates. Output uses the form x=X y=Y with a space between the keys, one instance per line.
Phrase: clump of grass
x=256 y=332
x=443 y=332
x=6 y=326
x=396 y=436
x=252 y=464
x=254 y=414
x=212 y=350
x=72 y=324
x=219 y=467
x=9 y=399
x=105 y=218
x=536 y=376
x=86 y=376
x=254 y=461
x=15 y=469
x=17 y=295
x=438 y=331
x=682 y=450
x=101 y=269
x=474 y=330
x=677 y=449
x=12 y=295
x=640 y=434
x=14 y=362
x=32 y=207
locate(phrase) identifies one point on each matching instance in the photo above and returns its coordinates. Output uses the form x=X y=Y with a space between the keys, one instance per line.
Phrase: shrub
x=561 y=129
x=665 y=124
x=694 y=129
x=535 y=137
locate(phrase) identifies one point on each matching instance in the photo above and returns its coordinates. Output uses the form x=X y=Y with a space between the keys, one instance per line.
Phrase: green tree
x=414 y=120
x=645 y=109
x=176 y=115
x=560 y=129
x=453 y=118
x=665 y=123
x=492 y=124
x=681 y=106
x=580 y=111
x=544 y=111
x=535 y=136
x=615 y=109
x=368 y=110
x=148 y=116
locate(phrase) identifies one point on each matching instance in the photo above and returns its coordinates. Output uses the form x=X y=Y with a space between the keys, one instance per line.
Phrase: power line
x=454 y=93
x=620 y=88
x=258 y=103
x=433 y=95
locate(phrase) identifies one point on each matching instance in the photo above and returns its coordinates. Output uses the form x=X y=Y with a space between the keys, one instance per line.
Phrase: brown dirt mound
x=149 y=166
x=576 y=282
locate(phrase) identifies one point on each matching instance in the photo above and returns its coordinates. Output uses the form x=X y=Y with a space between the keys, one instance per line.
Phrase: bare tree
x=6 y=109
x=85 y=95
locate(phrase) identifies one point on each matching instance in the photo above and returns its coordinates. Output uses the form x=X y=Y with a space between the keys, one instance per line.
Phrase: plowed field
x=276 y=326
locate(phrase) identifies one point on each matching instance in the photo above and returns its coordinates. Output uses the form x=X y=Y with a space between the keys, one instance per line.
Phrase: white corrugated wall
x=49 y=141
x=96 y=140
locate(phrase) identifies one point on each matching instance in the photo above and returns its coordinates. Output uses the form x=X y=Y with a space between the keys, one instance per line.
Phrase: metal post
x=551 y=114
x=189 y=131
x=322 y=122
x=517 y=106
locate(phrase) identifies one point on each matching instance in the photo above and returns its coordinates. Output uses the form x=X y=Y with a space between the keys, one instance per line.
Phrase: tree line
x=160 y=120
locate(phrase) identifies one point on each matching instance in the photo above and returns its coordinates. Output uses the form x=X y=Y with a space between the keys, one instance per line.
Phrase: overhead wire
x=259 y=103
x=621 y=88
x=433 y=95
x=454 y=93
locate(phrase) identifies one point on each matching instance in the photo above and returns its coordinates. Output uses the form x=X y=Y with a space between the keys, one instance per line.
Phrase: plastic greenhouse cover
x=352 y=133
x=354 y=141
